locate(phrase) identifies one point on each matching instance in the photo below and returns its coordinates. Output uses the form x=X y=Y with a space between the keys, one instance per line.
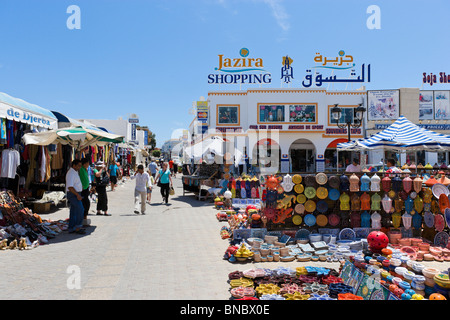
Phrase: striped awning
x=401 y=135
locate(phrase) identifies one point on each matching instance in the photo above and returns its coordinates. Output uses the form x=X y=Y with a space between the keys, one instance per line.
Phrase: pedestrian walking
x=85 y=181
x=74 y=188
x=113 y=173
x=164 y=181
x=150 y=188
x=171 y=166
x=153 y=168
x=140 y=190
x=101 y=181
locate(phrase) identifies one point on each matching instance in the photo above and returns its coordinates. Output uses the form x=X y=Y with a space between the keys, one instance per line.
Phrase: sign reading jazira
x=240 y=70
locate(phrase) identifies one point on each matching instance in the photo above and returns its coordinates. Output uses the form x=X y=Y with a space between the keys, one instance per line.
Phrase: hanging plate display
x=428 y=218
x=310 y=220
x=297 y=219
x=297 y=179
x=347 y=234
x=333 y=194
x=441 y=239
x=443 y=202
x=439 y=222
x=321 y=220
x=299 y=188
x=302 y=234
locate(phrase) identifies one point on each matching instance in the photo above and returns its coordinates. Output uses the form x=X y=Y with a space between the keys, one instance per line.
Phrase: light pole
x=357 y=119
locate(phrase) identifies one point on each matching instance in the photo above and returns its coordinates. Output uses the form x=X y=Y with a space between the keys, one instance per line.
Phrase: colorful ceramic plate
x=333 y=194
x=439 y=222
x=310 y=220
x=447 y=216
x=321 y=178
x=297 y=219
x=333 y=219
x=322 y=206
x=302 y=234
x=299 y=208
x=301 y=198
x=439 y=189
x=297 y=179
x=310 y=192
x=299 y=188
x=310 y=206
x=322 y=193
x=321 y=220
x=441 y=239
x=347 y=234
x=428 y=218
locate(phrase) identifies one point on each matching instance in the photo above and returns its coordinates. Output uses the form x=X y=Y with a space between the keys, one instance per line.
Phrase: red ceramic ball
x=377 y=241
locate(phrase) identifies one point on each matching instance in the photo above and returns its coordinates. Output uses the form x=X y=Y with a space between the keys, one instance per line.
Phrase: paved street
x=173 y=252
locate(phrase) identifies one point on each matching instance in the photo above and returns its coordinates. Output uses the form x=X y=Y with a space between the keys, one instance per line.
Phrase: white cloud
x=279 y=13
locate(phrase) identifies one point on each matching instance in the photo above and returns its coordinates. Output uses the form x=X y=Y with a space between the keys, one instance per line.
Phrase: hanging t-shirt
x=10 y=162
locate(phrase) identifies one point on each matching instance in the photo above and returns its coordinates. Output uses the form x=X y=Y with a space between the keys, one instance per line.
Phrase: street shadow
x=66 y=236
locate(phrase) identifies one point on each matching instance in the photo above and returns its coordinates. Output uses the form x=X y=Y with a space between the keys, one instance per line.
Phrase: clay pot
x=394 y=237
x=404 y=242
x=425 y=247
x=415 y=242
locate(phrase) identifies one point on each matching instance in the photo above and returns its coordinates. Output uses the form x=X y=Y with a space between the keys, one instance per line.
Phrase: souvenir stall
x=353 y=218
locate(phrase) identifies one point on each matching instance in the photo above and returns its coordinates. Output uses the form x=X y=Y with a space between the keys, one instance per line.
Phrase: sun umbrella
x=77 y=137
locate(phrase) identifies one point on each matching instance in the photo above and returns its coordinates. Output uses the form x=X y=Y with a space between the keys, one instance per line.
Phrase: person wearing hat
x=101 y=181
x=74 y=187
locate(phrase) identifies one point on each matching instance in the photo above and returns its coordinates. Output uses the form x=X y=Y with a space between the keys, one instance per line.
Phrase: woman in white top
x=142 y=181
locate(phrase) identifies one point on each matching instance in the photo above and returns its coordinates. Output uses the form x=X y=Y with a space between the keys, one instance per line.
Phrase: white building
x=296 y=125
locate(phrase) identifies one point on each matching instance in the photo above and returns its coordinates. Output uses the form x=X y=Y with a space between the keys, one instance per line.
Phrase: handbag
x=171 y=191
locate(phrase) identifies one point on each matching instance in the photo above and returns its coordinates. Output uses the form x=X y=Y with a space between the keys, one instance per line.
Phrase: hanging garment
x=10 y=162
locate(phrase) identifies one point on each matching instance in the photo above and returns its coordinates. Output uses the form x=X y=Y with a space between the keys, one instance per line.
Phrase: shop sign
x=287 y=72
x=240 y=70
x=342 y=131
x=133 y=120
x=432 y=78
x=228 y=129
x=382 y=126
x=340 y=63
x=27 y=117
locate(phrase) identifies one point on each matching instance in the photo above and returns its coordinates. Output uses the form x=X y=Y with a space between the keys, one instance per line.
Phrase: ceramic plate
x=439 y=189
x=322 y=220
x=333 y=194
x=333 y=219
x=447 y=216
x=310 y=192
x=322 y=193
x=441 y=239
x=321 y=178
x=310 y=220
x=297 y=219
x=302 y=234
x=322 y=206
x=347 y=234
x=301 y=198
x=299 y=188
x=310 y=206
x=428 y=218
x=299 y=208
x=439 y=222
x=297 y=179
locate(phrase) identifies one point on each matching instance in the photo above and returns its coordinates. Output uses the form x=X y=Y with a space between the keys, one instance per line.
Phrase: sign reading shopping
x=342 y=64
x=241 y=70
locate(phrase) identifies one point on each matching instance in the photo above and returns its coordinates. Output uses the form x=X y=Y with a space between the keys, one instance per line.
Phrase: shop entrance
x=303 y=156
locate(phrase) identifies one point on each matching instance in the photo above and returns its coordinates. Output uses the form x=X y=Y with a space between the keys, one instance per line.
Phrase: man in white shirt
x=354 y=166
x=140 y=191
x=73 y=191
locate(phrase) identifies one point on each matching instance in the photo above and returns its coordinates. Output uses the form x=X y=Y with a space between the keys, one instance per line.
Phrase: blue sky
x=152 y=57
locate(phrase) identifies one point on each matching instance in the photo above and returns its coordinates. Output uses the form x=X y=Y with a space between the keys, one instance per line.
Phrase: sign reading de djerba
x=26 y=117
x=240 y=70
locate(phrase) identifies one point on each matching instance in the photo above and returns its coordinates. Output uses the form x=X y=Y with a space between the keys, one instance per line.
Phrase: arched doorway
x=302 y=153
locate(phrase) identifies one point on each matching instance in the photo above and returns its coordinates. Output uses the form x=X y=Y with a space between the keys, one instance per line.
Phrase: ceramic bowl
x=430 y=272
x=442 y=280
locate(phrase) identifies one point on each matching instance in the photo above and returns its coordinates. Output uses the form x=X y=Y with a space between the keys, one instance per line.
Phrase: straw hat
x=99 y=164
